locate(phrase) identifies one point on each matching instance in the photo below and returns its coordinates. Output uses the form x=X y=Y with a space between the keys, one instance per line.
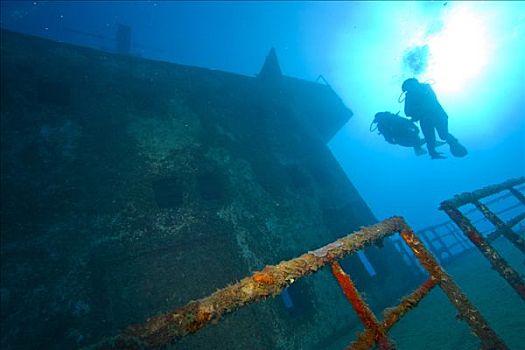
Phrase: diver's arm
x=411 y=108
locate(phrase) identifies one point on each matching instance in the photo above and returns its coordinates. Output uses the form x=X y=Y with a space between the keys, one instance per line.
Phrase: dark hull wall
x=130 y=187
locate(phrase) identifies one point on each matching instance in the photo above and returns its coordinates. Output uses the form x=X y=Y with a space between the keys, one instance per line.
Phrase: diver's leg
x=428 y=131
x=442 y=130
x=441 y=124
x=427 y=127
x=457 y=149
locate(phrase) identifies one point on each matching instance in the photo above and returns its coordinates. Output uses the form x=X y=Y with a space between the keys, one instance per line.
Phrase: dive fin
x=437 y=155
x=440 y=143
x=457 y=149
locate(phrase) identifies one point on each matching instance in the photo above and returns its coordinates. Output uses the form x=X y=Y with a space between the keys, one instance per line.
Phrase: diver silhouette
x=398 y=131
x=421 y=105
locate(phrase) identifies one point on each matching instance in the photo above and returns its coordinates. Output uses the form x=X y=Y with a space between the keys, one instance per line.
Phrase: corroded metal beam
x=515 y=239
x=392 y=315
x=511 y=223
x=518 y=195
x=377 y=334
x=499 y=264
x=469 y=197
x=161 y=331
x=467 y=311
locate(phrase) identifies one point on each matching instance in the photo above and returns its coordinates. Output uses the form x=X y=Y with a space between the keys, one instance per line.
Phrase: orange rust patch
x=203 y=316
x=263 y=278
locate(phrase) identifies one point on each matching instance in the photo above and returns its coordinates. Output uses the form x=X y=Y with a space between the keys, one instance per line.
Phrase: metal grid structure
x=166 y=329
x=447 y=242
x=451 y=207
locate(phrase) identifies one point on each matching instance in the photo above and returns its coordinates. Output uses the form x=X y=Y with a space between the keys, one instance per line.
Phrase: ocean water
x=154 y=152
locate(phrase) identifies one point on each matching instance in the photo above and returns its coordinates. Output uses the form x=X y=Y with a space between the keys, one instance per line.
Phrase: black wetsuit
x=398 y=130
x=422 y=104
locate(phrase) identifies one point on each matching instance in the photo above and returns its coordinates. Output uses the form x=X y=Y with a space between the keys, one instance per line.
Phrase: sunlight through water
x=459 y=52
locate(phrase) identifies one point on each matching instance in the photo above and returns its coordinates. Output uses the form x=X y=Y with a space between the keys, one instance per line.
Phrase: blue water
x=364 y=50
x=360 y=48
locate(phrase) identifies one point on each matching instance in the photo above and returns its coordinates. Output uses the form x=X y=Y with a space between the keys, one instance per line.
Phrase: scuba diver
x=398 y=131
x=421 y=105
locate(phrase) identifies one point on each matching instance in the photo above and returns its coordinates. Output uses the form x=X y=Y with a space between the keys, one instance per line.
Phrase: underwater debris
x=161 y=331
x=377 y=332
x=511 y=223
x=468 y=312
x=451 y=208
x=467 y=197
x=392 y=315
x=502 y=227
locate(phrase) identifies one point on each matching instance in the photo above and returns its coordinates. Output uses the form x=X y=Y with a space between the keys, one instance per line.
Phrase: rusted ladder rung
x=511 y=223
x=499 y=264
x=466 y=310
x=501 y=226
x=451 y=208
x=367 y=317
x=374 y=331
x=518 y=195
x=163 y=330
x=392 y=315
x=160 y=331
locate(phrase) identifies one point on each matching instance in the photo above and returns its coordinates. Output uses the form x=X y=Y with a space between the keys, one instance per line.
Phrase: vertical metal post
x=366 y=315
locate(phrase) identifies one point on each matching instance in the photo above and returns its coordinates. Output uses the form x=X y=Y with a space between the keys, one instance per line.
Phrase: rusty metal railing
x=447 y=242
x=166 y=329
x=451 y=207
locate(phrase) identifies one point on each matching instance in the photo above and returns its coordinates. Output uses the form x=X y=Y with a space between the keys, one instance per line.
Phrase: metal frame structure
x=446 y=240
x=166 y=329
x=451 y=207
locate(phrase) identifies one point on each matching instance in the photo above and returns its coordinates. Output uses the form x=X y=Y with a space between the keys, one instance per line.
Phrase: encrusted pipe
x=365 y=314
x=163 y=330
x=468 y=197
x=392 y=315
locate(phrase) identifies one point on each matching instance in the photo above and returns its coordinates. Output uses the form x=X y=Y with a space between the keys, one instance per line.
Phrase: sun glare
x=459 y=52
